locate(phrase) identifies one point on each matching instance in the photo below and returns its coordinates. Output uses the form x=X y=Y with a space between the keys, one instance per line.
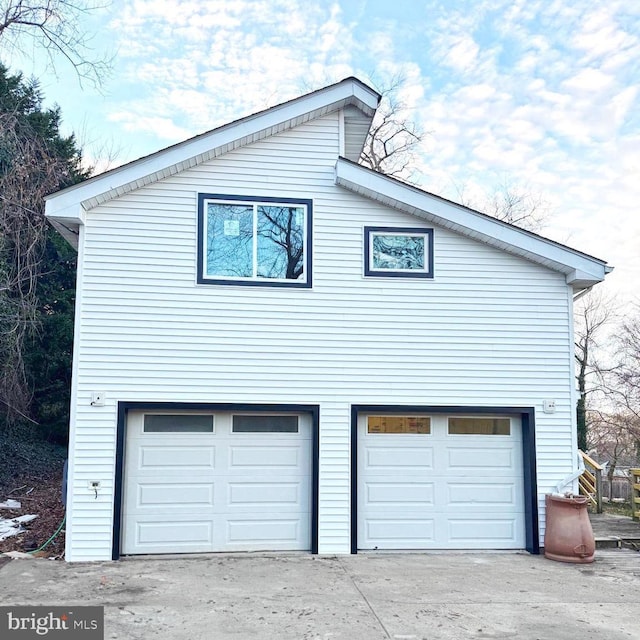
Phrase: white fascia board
x=350 y=91
x=578 y=267
x=73 y=212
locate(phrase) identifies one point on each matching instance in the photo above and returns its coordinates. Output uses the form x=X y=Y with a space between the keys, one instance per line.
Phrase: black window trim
x=425 y=231
x=201 y=279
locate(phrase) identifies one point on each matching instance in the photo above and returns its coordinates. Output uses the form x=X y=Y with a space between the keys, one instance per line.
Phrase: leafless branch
x=28 y=171
x=614 y=438
x=54 y=25
x=627 y=376
x=516 y=204
x=393 y=139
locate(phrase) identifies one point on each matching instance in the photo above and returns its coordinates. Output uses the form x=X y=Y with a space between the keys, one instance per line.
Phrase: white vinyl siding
x=490 y=329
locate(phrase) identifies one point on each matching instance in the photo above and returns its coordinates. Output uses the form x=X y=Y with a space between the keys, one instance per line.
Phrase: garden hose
x=52 y=538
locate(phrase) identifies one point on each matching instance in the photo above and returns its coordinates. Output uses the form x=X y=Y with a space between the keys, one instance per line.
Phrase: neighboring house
x=278 y=349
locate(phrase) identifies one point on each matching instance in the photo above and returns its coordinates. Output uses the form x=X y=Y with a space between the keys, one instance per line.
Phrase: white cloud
x=589 y=80
x=554 y=114
x=462 y=54
x=161 y=128
x=222 y=60
x=600 y=36
x=621 y=104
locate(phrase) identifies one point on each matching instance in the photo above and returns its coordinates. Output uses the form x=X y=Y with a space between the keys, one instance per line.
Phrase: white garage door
x=223 y=482
x=440 y=482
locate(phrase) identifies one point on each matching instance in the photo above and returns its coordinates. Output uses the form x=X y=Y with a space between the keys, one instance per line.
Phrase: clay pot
x=569 y=536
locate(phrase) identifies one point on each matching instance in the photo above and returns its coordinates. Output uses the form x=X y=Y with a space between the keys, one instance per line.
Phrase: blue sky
x=540 y=94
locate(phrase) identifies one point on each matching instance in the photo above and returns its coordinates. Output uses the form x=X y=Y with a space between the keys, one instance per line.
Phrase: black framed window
x=398 y=252
x=178 y=423
x=254 y=241
x=265 y=424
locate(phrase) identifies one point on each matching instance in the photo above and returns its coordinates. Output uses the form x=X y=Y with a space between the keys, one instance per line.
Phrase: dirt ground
x=32 y=474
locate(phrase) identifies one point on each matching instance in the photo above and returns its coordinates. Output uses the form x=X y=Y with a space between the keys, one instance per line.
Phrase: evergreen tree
x=49 y=352
x=37 y=269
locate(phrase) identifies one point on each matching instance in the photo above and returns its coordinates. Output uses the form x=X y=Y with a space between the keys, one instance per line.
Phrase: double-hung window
x=254 y=241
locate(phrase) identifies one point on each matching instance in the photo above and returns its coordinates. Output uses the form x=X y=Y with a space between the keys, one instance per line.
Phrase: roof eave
x=68 y=230
x=213 y=143
x=579 y=269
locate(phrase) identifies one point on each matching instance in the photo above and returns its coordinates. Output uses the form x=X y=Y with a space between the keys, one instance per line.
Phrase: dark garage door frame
x=121 y=437
x=526 y=415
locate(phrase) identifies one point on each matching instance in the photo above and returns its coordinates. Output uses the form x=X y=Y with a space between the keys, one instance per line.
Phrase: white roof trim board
x=581 y=270
x=67 y=208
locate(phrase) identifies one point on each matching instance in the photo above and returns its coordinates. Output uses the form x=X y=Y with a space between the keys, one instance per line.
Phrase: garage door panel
x=265 y=457
x=493 y=530
x=396 y=494
x=400 y=533
x=481 y=493
x=175 y=457
x=262 y=534
x=184 y=495
x=492 y=459
x=265 y=494
x=162 y=535
x=381 y=456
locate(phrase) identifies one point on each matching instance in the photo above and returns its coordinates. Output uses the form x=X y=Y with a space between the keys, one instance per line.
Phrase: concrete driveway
x=434 y=596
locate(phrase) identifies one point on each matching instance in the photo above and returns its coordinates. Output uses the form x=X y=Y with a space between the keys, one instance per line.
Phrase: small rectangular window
x=398 y=252
x=398 y=424
x=254 y=241
x=265 y=424
x=178 y=423
x=480 y=426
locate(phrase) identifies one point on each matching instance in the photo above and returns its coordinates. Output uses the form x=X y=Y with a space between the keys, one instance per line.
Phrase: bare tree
x=615 y=438
x=32 y=173
x=54 y=26
x=592 y=313
x=34 y=161
x=393 y=139
x=519 y=206
x=392 y=147
x=627 y=375
x=509 y=202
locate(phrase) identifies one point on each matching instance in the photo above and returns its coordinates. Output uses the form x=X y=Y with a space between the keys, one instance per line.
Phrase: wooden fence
x=635 y=493
x=617 y=489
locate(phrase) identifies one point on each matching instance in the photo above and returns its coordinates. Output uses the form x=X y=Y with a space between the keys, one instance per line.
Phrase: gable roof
x=581 y=270
x=67 y=208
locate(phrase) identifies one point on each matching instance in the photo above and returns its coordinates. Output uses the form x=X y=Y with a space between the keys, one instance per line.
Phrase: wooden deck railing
x=590 y=482
x=635 y=493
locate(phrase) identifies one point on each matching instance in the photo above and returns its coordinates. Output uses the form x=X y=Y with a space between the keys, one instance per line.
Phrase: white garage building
x=278 y=349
